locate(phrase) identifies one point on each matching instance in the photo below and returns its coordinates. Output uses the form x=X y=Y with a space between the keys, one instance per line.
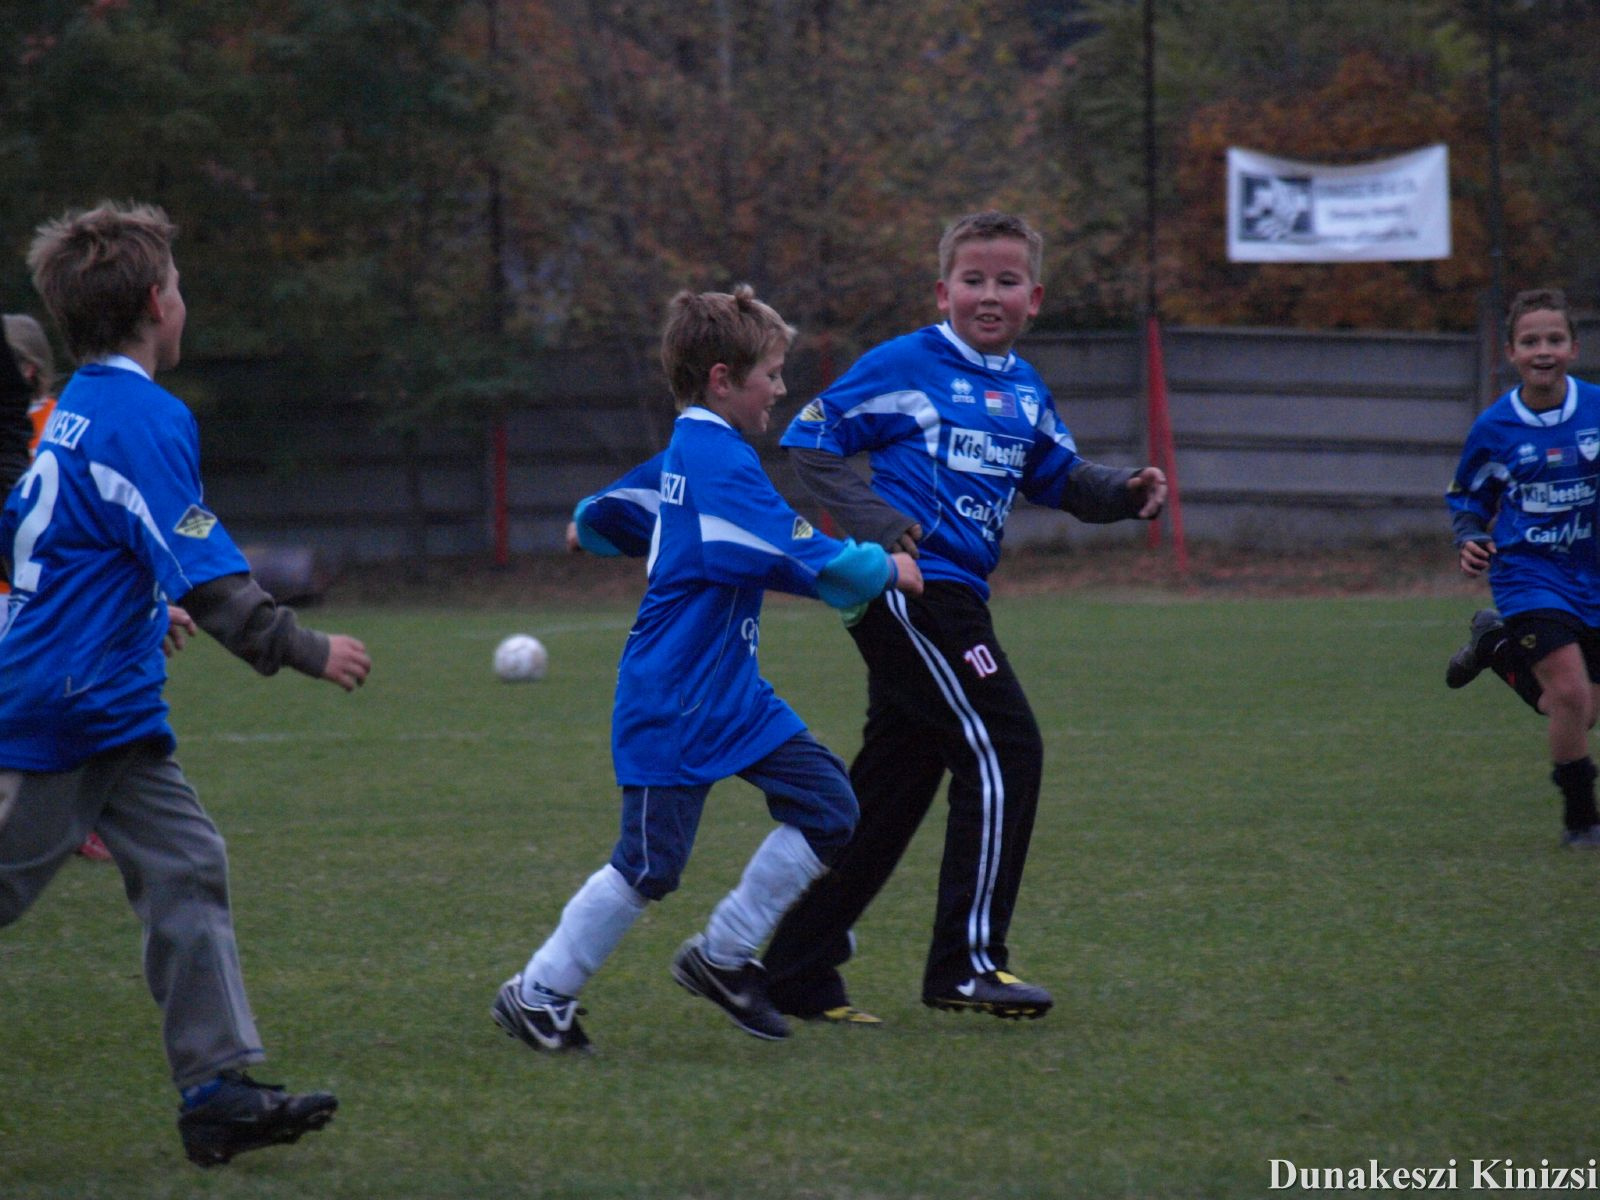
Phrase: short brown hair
x=982 y=226
x=28 y=342
x=1538 y=300
x=94 y=270
x=707 y=328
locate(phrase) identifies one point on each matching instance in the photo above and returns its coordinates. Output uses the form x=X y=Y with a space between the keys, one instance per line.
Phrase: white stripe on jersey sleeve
x=913 y=404
x=1058 y=433
x=116 y=488
x=1489 y=470
x=648 y=499
x=719 y=529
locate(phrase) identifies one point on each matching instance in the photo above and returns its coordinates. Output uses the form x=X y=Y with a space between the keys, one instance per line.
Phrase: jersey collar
x=992 y=362
x=1550 y=416
x=120 y=362
x=698 y=412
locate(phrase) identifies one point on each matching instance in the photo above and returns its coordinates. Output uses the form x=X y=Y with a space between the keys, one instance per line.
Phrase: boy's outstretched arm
x=240 y=614
x=1098 y=494
x=861 y=513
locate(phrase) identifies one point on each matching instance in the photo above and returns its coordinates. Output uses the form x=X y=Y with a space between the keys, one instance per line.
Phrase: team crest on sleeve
x=802 y=530
x=196 y=523
x=812 y=411
x=1029 y=399
x=1589 y=443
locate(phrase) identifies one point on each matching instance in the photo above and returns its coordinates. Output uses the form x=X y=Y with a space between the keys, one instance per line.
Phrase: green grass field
x=1294 y=898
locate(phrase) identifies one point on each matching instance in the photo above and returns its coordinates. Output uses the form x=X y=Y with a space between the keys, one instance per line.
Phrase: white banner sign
x=1280 y=210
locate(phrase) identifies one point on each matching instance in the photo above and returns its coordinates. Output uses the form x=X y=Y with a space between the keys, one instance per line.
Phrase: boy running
x=106 y=527
x=1530 y=469
x=956 y=427
x=691 y=707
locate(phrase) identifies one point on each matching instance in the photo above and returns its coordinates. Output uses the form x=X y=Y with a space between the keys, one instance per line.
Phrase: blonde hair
x=707 y=328
x=95 y=269
x=28 y=342
x=985 y=226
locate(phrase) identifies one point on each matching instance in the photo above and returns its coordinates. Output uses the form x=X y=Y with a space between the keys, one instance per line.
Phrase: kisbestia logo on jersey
x=1559 y=456
x=961 y=391
x=196 y=523
x=986 y=453
x=1557 y=497
x=1589 y=443
x=1029 y=399
x=802 y=530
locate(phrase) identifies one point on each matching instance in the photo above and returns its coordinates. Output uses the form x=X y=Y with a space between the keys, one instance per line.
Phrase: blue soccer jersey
x=953 y=435
x=107 y=526
x=691 y=706
x=1530 y=479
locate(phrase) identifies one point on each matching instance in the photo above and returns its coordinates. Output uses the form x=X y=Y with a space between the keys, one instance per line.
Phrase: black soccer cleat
x=245 y=1115
x=1582 y=839
x=998 y=993
x=1467 y=662
x=551 y=1026
x=740 y=991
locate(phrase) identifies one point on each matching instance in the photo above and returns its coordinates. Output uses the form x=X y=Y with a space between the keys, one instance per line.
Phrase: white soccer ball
x=521 y=659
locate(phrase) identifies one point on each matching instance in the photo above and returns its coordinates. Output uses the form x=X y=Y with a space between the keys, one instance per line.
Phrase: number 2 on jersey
x=44 y=481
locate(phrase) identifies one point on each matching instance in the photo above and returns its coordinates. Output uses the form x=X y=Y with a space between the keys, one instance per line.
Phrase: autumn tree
x=1371 y=107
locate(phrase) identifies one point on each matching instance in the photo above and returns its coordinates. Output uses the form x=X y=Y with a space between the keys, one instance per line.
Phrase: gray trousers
x=175 y=871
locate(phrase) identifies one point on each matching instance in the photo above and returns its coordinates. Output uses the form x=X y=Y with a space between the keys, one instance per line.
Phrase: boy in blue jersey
x=956 y=427
x=106 y=527
x=1523 y=505
x=691 y=707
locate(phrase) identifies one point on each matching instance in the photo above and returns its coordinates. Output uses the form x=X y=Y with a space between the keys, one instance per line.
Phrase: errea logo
x=986 y=453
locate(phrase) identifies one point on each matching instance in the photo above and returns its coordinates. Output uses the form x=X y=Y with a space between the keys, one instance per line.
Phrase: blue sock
x=197 y=1094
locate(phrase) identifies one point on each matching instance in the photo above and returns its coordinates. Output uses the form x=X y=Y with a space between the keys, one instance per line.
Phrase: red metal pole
x=1163 y=453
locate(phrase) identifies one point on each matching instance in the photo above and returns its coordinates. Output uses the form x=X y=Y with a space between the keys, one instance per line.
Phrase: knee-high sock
x=592 y=924
x=781 y=869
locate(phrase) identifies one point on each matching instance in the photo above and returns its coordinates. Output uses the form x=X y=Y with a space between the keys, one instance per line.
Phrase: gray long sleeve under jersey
x=240 y=614
x=1094 y=493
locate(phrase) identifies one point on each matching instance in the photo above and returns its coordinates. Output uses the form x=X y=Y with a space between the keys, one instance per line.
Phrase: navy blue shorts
x=806 y=785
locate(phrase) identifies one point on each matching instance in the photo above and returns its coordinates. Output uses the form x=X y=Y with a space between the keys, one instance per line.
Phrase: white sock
x=592 y=924
x=781 y=869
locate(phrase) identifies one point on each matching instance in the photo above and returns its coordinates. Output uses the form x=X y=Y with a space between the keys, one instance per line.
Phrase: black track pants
x=941 y=696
